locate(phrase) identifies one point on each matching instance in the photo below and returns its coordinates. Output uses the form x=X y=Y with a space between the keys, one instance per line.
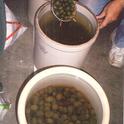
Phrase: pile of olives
x=59 y=105
x=64 y=9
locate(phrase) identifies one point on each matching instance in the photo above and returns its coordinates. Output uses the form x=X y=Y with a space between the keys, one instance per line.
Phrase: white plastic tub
x=48 y=52
x=67 y=76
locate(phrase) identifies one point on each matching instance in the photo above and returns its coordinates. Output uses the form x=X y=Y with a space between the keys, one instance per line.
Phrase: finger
x=105 y=22
x=99 y=24
x=100 y=21
x=101 y=16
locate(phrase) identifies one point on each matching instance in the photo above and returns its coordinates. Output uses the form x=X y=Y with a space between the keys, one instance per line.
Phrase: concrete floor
x=16 y=63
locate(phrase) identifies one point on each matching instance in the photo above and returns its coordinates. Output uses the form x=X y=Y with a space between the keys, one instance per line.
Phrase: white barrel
x=70 y=77
x=48 y=52
x=33 y=5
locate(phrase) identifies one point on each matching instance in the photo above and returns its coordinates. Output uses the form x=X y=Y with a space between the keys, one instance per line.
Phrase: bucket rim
x=44 y=72
x=64 y=47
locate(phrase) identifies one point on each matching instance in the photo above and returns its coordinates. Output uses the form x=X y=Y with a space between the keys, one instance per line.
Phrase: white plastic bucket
x=66 y=76
x=33 y=5
x=48 y=52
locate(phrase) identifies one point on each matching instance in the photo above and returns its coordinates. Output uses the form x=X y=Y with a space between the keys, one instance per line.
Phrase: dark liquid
x=69 y=33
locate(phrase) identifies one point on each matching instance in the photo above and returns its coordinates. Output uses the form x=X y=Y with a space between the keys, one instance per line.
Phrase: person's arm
x=110 y=13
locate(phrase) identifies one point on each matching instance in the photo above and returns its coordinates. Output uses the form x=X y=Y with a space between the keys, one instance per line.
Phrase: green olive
x=49 y=114
x=35 y=100
x=54 y=106
x=74 y=117
x=65 y=110
x=49 y=99
x=77 y=104
x=78 y=122
x=40 y=121
x=49 y=121
x=87 y=122
x=64 y=117
x=56 y=116
x=50 y=89
x=34 y=107
x=40 y=113
x=70 y=109
x=34 y=121
x=59 y=96
x=66 y=121
x=67 y=7
x=70 y=123
x=59 y=104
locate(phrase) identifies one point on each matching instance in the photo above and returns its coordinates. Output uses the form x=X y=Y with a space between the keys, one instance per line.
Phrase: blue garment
x=96 y=6
x=2 y=25
x=119 y=38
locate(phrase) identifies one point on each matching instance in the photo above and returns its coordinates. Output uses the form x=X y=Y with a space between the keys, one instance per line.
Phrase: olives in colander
x=59 y=105
x=64 y=10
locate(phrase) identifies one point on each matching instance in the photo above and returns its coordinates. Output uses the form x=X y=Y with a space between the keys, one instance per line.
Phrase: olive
x=66 y=122
x=40 y=121
x=57 y=13
x=87 y=116
x=64 y=110
x=59 y=105
x=40 y=113
x=54 y=106
x=47 y=104
x=70 y=123
x=49 y=99
x=78 y=122
x=34 y=121
x=49 y=121
x=74 y=117
x=70 y=109
x=56 y=116
x=35 y=100
x=68 y=14
x=59 y=96
x=67 y=7
x=57 y=3
x=54 y=93
x=93 y=120
x=60 y=109
x=87 y=122
x=50 y=89
x=77 y=104
x=64 y=117
x=34 y=107
x=49 y=114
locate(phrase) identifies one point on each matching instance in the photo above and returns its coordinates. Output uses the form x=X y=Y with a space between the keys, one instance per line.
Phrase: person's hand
x=110 y=13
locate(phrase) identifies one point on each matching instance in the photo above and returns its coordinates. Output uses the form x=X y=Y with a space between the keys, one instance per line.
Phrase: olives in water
x=65 y=10
x=59 y=105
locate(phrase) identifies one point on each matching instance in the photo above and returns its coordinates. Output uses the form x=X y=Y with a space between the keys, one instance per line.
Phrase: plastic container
x=48 y=52
x=67 y=76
